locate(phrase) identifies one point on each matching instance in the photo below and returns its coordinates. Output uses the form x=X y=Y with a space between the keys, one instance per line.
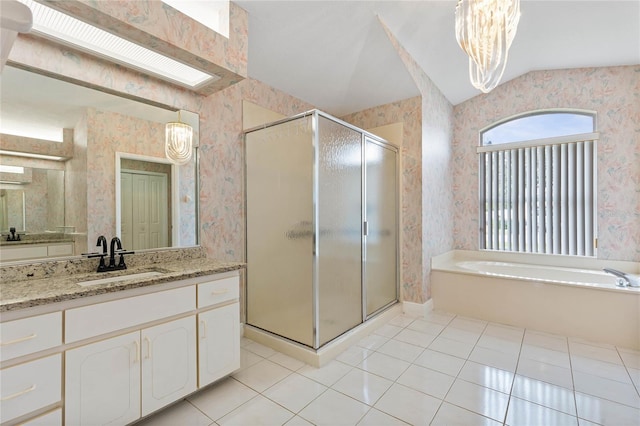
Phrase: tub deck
x=597 y=311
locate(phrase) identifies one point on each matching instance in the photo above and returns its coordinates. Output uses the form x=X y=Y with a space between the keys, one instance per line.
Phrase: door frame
x=175 y=185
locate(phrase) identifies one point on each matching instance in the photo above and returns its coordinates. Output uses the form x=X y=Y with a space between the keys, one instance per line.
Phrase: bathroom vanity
x=115 y=351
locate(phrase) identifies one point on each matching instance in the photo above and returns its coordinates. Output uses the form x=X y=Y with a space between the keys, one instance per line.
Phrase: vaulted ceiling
x=337 y=56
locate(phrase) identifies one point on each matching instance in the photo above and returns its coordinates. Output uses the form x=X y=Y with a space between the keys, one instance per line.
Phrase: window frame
x=581 y=137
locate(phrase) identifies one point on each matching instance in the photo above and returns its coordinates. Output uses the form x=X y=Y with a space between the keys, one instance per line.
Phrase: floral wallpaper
x=427 y=179
x=409 y=112
x=614 y=93
x=222 y=213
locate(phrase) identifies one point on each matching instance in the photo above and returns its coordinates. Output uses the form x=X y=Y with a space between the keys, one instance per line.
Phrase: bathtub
x=564 y=295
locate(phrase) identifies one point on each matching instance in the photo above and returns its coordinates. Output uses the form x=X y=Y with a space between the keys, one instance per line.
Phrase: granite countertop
x=35 y=291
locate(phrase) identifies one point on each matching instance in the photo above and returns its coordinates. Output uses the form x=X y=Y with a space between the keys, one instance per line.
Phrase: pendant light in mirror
x=178 y=142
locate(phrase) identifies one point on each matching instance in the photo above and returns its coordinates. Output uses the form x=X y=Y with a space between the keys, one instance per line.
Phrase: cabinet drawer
x=29 y=335
x=94 y=320
x=30 y=386
x=218 y=291
x=52 y=418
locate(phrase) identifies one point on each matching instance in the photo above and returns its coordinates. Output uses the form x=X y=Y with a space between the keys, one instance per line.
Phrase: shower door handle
x=365 y=228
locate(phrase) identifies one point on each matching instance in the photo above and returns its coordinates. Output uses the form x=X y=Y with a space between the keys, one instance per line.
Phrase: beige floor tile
x=401 y=350
x=441 y=362
x=426 y=381
x=378 y=418
x=451 y=415
x=180 y=413
x=523 y=412
x=542 y=393
x=257 y=412
x=546 y=372
x=262 y=375
x=363 y=386
x=408 y=405
x=294 y=392
x=489 y=377
x=334 y=408
x=606 y=412
x=327 y=374
x=384 y=365
x=221 y=398
x=478 y=399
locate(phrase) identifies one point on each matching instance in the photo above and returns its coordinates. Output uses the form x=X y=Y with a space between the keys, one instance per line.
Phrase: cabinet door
x=103 y=382
x=168 y=363
x=219 y=347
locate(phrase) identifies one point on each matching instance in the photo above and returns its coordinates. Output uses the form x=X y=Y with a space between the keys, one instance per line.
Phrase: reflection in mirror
x=72 y=187
x=12 y=212
x=156 y=207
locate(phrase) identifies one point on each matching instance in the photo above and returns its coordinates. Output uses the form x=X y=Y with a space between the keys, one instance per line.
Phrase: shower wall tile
x=614 y=94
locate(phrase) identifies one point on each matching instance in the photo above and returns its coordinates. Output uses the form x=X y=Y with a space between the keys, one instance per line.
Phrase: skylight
x=65 y=29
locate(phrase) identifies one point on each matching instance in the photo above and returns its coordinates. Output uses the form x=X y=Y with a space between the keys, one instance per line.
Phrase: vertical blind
x=539 y=196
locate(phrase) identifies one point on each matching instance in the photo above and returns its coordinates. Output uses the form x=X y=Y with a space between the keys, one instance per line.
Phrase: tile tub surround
x=592 y=311
x=510 y=375
x=57 y=281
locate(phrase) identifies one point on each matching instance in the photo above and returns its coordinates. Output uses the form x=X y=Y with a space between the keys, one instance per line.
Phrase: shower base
x=321 y=356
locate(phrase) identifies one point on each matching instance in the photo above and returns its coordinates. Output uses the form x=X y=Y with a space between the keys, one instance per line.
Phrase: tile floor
x=439 y=370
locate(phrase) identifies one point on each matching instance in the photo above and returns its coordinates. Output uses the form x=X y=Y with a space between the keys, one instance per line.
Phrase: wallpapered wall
x=614 y=93
x=427 y=198
x=409 y=112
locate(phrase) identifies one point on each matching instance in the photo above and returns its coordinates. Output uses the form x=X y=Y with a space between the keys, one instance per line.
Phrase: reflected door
x=381 y=264
x=144 y=210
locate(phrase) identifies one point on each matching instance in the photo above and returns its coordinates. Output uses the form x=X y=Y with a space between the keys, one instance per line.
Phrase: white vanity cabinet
x=102 y=382
x=118 y=380
x=120 y=356
x=157 y=348
x=33 y=379
x=168 y=363
x=219 y=329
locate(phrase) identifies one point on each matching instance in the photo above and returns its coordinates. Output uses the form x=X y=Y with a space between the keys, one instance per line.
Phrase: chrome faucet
x=624 y=279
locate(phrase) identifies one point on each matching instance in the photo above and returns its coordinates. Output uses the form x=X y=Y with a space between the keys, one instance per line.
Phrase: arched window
x=537 y=183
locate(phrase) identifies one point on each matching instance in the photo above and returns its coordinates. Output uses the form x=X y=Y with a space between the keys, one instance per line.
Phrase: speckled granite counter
x=29 y=285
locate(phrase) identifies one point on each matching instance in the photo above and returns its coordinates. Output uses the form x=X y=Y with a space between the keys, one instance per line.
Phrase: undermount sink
x=119 y=278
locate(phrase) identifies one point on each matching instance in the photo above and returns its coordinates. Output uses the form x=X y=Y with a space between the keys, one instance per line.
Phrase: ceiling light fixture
x=178 y=142
x=485 y=30
x=62 y=28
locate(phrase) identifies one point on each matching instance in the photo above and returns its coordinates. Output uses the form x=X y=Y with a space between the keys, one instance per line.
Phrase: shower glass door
x=280 y=229
x=381 y=263
x=339 y=229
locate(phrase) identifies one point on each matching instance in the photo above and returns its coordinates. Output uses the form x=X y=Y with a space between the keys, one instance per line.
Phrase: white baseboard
x=417 y=309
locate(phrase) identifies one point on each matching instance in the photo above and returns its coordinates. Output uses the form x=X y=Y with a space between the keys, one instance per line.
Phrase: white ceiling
x=336 y=55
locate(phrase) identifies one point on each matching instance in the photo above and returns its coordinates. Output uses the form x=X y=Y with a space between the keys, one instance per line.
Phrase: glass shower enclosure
x=322 y=227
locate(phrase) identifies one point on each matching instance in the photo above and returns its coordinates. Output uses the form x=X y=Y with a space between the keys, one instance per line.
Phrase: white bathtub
x=556 y=294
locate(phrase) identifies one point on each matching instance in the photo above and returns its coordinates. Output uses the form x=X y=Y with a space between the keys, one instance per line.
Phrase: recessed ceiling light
x=55 y=25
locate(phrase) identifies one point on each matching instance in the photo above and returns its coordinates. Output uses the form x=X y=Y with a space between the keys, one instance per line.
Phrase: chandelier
x=485 y=30
x=178 y=142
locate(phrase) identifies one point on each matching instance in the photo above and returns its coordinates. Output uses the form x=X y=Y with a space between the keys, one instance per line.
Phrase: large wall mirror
x=111 y=179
